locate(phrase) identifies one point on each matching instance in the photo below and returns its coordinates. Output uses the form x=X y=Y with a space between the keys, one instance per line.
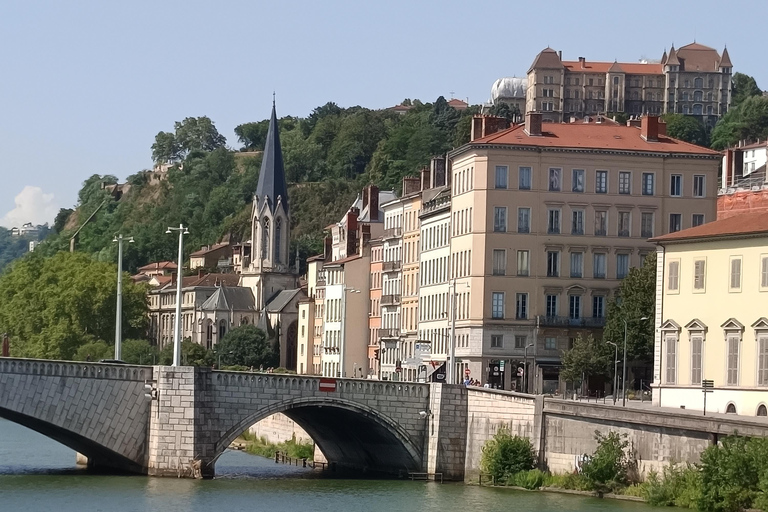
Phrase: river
x=38 y=474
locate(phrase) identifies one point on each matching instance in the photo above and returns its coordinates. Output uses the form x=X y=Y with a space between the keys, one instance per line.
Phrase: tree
x=247 y=346
x=252 y=135
x=139 y=352
x=509 y=112
x=635 y=299
x=588 y=357
x=61 y=219
x=198 y=134
x=748 y=121
x=742 y=87
x=166 y=148
x=192 y=354
x=94 y=351
x=505 y=455
x=687 y=128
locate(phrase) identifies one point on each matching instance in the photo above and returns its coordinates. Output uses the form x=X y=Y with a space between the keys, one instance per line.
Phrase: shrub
x=609 y=466
x=505 y=455
x=571 y=481
x=531 y=479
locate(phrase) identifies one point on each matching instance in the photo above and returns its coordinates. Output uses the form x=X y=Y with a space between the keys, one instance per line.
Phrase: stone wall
x=279 y=428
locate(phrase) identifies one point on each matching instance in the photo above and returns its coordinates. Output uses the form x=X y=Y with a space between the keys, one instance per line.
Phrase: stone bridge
x=177 y=421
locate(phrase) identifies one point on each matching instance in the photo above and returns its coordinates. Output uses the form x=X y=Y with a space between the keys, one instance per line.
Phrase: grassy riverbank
x=262 y=447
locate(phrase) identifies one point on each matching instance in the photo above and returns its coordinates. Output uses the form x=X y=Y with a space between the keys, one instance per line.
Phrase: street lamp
x=525 y=366
x=177 y=320
x=228 y=353
x=119 y=314
x=342 y=341
x=624 y=366
x=615 y=369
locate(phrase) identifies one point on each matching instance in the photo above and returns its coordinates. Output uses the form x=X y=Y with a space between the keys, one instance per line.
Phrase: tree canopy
x=687 y=128
x=748 y=121
x=190 y=135
x=743 y=87
x=247 y=346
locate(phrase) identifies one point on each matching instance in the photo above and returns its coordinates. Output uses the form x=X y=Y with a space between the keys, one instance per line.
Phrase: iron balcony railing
x=390 y=300
x=391 y=266
x=566 y=321
x=389 y=333
x=393 y=233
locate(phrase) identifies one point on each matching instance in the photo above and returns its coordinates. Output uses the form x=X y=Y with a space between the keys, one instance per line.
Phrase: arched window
x=278 y=235
x=697 y=95
x=222 y=329
x=762 y=411
x=244 y=321
x=698 y=83
x=209 y=335
x=265 y=240
x=731 y=409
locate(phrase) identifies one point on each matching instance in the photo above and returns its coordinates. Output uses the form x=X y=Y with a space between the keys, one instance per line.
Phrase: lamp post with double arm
x=177 y=319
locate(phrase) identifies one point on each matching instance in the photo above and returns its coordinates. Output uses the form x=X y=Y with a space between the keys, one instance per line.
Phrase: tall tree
x=165 y=148
x=587 y=358
x=198 y=134
x=743 y=87
x=687 y=128
x=252 y=135
x=748 y=121
x=247 y=346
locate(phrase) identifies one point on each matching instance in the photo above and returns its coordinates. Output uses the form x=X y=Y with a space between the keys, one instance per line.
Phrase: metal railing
x=390 y=300
x=565 y=321
x=391 y=266
x=393 y=233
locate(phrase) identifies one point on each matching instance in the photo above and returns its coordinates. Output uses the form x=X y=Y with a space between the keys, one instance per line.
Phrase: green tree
x=635 y=299
x=61 y=219
x=588 y=357
x=166 y=148
x=609 y=466
x=505 y=455
x=247 y=346
x=729 y=475
x=93 y=351
x=742 y=87
x=253 y=135
x=748 y=121
x=137 y=351
x=198 y=134
x=509 y=112
x=687 y=128
x=192 y=354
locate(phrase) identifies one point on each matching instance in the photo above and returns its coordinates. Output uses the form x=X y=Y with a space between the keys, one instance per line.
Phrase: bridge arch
x=350 y=433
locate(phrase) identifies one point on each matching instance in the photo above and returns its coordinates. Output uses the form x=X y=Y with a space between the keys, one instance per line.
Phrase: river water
x=37 y=474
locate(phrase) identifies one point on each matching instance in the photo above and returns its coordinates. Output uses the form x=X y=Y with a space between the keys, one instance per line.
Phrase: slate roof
x=208 y=249
x=547 y=59
x=272 y=184
x=281 y=300
x=158 y=265
x=235 y=298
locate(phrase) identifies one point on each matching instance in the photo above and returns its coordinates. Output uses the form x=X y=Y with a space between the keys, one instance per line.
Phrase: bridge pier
x=445 y=450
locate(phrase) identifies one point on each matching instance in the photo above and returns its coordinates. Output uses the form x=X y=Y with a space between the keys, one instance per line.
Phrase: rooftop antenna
x=452 y=93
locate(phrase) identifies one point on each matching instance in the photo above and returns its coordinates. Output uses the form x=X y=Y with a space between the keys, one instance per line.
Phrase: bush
x=94 y=351
x=731 y=474
x=531 y=479
x=608 y=468
x=678 y=486
x=505 y=455
x=571 y=481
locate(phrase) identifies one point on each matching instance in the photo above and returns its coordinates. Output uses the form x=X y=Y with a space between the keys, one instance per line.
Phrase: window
x=676 y=185
x=698 y=186
x=578 y=180
x=577 y=264
x=598 y=265
x=697 y=219
x=733 y=341
x=520 y=342
x=553 y=222
x=671 y=356
x=553 y=264
x=523 y=220
x=598 y=306
x=554 y=179
x=521 y=306
x=601 y=182
x=524 y=178
x=577 y=224
x=622 y=266
x=497 y=341
x=551 y=301
x=522 y=263
x=550 y=343
x=615 y=80
x=646 y=224
x=764 y=272
x=574 y=307
x=501 y=176
x=500 y=219
x=623 y=223
x=499 y=262
x=762 y=359
x=699 y=274
x=675 y=222
x=735 y=274
x=648 y=188
x=673 y=277
x=696 y=346
x=497 y=305
x=601 y=223
x=625 y=179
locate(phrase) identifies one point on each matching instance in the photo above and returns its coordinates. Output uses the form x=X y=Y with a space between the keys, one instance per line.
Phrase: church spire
x=272 y=186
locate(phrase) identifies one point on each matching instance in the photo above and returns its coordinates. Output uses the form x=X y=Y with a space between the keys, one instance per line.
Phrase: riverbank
x=253 y=445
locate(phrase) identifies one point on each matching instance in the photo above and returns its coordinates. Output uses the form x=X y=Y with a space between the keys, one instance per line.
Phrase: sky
x=86 y=85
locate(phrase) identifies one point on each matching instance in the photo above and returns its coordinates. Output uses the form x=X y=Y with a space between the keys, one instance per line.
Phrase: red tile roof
x=633 y=68
x=159 y=265
x=608 y=137
x=207 y=249
x=750 y=223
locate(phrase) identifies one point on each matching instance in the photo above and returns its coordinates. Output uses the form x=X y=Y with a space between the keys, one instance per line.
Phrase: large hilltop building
x=694 y=80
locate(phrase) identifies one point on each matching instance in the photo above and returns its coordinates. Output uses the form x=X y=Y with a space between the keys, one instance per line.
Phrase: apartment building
x=692 y=80
x=374 y=311
x=412 y=350
x=390 y=352
x=711 y=324
x=547 y=220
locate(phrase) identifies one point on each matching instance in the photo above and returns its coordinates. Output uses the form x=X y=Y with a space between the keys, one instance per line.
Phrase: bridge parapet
x=75 y=369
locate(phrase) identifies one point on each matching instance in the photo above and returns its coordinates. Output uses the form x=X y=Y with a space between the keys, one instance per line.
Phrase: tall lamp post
x=525 y=366
x=615 y=369
x=119 y=314
x=343 y=340
x=177 y=320
x=624 y=368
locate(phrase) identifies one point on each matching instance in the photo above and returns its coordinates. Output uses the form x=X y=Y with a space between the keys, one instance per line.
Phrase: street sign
x=501 y=365
x=328 y=385
x=467 y=372
x=707 y=386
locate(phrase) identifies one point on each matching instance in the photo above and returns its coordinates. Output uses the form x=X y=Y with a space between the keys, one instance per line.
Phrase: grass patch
x=292 y=448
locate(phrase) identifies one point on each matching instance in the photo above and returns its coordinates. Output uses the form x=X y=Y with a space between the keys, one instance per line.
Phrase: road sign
x=467 y=372
x=501 y=365
x=328 y=385
x=707 y=386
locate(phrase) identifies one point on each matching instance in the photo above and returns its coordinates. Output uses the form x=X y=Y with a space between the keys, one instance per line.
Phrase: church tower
x=269 y=271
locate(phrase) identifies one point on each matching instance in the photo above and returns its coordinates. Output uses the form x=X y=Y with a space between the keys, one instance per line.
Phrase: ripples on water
x=37 y=474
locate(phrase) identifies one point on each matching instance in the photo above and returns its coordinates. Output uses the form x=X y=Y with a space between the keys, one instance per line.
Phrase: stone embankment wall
x=279 y=428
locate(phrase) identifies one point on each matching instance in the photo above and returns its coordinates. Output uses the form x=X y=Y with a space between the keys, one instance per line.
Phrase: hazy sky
x=86 y=85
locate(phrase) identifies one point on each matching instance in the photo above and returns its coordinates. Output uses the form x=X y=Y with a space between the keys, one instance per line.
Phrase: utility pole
x=177 y=319
x=119 y=314
x=615 y=369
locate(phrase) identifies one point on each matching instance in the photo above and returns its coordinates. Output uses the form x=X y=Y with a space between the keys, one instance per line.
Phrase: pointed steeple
x=272 y=187
x=672 y=60
x=725 y=61
x=664 y=57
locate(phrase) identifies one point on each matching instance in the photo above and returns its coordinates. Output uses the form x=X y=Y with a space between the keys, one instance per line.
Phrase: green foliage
x=743 y=87
x=586 y=358
x=291 y=448
x=193 y=134
x=192 y=354
x=247 y=346
x=139 y=352
x=687 y=128
x=636 y=298
x=61 y=219
x=678 y=485
x=53 y=305
x=609 y=466
x=253 y=135
x=571 y=481
x=748 y=121
x=94 y=351
x=505 y=455
x=13 y=247
x=531 y=479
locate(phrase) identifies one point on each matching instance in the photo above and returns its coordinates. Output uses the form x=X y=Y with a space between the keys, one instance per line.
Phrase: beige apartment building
x=692 y=80
x=711 y=321
x=547 y=220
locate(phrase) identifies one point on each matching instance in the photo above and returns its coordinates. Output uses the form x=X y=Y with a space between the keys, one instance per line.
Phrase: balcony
x=392 y=233
x=565 y=321
x=390 y=300
x=389 y=333
x=391 y=266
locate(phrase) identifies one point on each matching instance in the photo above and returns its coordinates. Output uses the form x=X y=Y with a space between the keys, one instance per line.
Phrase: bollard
x=304 y=462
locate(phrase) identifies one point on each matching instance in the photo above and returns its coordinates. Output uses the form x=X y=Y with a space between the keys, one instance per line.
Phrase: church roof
x=725 y=62
x=272 y=184
x=281 y=300
x=227 y=298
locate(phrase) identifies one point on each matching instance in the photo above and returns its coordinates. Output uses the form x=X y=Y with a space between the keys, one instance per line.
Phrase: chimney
x=351 y=234
x=477 y=128
x=582 y=62
x=173 y=278
x=649 y=128
x=438 y=171
x=426 y=182
x=533 y=124
x=365 y=238
x=662 y=130
x=200 y=272
x=373 y=202
x=632 y=121
x=327 y=247
x=560 y=54
x=411 y=185
x=482 y=126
